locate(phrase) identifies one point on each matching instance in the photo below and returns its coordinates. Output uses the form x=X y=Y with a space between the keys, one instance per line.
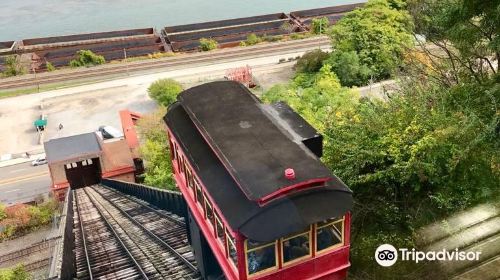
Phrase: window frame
x=229 y=239
x=205 y=204
x=332 y=247
x=197 y=199
x=218 y=221
x=276 y=258
x=291 y=262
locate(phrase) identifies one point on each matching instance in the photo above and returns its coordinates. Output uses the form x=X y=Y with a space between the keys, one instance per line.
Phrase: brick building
x=82 y=160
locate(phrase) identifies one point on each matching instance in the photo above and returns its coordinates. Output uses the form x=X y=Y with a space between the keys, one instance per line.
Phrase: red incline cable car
x=261 y=203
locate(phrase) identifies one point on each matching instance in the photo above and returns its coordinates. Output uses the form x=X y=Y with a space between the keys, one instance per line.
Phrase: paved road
x=23 y=183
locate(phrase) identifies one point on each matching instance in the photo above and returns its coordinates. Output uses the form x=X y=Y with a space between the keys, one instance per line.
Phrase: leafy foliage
x=17 y=273
x=87 y=58
x=319 y=25
x=465 y=39
x=377 y=33
x=349 y=69
x=13 y=66
x=50 y=67
x=252 y=39
x=3 y=214
x=314 y=96
x=164 y=91
x=20 y=219
x=430 y=149
x=155 y=150
x=311 y=61
x=208 y=44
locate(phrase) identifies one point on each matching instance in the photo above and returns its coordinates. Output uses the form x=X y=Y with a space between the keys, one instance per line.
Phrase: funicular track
x=117 y=237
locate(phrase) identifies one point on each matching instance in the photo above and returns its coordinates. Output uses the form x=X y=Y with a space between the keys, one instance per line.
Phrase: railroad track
x=123 y=242
x=36 y=265
x=34 y=248
x=176 y=61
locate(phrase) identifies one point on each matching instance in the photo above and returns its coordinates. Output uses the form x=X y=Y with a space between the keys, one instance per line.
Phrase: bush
x=297 y=36
x=42 y=214
x=311 y=61
x=13 y=66
x=208 y=44
x=50 y=67
x=20 y=219
x=272 y=38
x=87 y=58
x=17 y=273
x=319 y=25
x=155 y=150
x=252 y=39
x=164 y=91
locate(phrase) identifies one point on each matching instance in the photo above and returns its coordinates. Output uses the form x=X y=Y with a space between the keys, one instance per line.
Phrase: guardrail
x=164 y=199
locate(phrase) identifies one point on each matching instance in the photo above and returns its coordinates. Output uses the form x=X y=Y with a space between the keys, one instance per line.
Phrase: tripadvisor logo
x=387 y=255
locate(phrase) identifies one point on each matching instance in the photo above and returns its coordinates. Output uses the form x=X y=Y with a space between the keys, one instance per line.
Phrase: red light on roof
x=290 y=173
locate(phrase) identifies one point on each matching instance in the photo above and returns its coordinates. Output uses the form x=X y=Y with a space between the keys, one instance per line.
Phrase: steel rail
x=95 y=201
x=116 y=236
x=247 y=50
x=149 y=64
x=184 y=260
x=136 y=200
x=80 y=221
x=146 y=65
x=26 y=251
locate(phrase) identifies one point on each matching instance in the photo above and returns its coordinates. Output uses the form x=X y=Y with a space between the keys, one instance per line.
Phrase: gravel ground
x=24 y=241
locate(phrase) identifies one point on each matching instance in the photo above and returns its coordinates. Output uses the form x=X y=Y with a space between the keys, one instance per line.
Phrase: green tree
x=314 y=96
x=377 y=33
x=165 y=91
x=87 y=58
x=311 y=61
x=349 y=69
x=319 y=25
x=13 y=66
x=464 y=37
x=208 y=44
x=155 y=150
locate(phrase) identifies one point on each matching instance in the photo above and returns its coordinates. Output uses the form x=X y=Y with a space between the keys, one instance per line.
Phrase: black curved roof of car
x=240 y=148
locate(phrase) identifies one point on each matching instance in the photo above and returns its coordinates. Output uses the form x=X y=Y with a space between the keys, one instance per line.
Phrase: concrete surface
x=98 y=103
x=474 y=230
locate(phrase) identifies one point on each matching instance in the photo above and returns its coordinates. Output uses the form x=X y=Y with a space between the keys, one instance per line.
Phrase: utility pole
x=126 y=62
x=36 y=81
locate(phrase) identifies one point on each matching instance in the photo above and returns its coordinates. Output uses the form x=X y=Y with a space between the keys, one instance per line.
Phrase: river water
x=23 y=19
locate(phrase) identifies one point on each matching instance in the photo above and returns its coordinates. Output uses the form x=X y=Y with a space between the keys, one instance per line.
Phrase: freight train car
x=261 y=203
